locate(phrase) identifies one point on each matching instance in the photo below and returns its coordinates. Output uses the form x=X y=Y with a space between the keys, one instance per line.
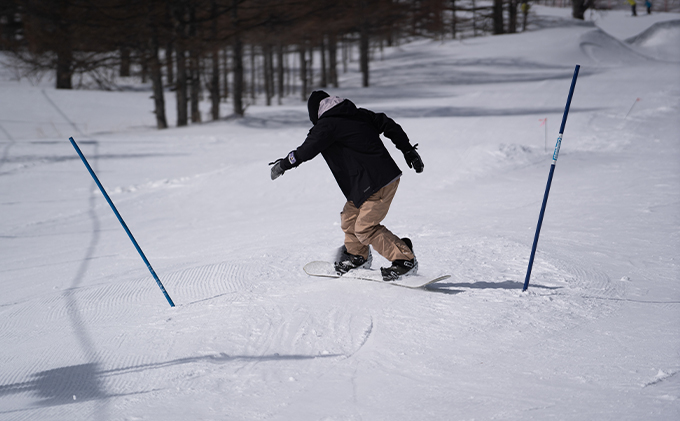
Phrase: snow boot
x=401 y=268
x=352 y=261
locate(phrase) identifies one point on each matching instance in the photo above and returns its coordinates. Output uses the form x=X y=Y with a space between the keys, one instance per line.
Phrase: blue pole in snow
x=550 y=177
x=113 y=207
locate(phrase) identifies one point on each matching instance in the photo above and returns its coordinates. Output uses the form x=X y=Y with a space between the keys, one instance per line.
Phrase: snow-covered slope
x=660 y=41
x=85 y=332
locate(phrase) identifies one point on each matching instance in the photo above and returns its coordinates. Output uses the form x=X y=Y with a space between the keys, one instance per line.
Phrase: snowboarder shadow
x=453 y=287
x=87 y=382
x=63 y=385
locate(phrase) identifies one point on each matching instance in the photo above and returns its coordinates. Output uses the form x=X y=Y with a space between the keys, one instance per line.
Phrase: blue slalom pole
x=550 y=177
x=113 y=207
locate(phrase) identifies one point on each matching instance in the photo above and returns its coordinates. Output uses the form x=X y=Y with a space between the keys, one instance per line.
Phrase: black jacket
x=349 y=140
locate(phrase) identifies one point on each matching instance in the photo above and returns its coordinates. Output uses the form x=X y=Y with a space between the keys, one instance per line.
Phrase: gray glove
x=277 y=171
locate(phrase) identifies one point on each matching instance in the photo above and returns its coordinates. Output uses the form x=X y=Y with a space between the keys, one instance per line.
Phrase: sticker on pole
x=557 y=148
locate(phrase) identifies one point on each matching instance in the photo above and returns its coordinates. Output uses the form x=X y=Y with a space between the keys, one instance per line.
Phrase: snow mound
x=660 y=41
x=606 y=50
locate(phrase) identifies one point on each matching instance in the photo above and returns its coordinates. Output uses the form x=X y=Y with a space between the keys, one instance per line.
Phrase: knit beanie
x=313 y=105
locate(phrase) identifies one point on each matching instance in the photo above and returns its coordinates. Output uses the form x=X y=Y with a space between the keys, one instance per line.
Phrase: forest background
x=236 y=50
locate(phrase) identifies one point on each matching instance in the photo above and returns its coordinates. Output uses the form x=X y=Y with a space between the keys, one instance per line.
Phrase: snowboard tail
x=327 y=270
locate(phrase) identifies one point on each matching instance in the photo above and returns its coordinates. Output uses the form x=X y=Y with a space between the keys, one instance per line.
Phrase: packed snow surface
x=86 y=334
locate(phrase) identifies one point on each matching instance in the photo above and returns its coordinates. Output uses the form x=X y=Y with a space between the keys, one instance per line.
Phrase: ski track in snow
x=339 y=335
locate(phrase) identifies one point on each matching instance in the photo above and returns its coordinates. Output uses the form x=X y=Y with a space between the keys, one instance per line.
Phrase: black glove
x=413 y=160
x=277 y=171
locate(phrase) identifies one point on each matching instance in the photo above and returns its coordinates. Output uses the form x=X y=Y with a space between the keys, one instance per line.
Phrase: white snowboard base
x=326 y=269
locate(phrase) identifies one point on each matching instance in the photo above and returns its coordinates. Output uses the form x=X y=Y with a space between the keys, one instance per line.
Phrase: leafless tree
x=193 y=45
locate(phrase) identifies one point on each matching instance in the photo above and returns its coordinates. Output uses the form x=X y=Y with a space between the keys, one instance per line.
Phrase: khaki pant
x=362 y=227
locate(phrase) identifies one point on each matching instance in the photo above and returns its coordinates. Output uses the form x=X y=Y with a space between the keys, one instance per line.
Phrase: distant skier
x=349 y=140
x=525 y=13
x=633 y=5
x=648 y=4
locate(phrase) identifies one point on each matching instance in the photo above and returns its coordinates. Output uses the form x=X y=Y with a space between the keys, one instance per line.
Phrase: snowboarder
x=348 y=138
x=648 y=4
x=633 y=6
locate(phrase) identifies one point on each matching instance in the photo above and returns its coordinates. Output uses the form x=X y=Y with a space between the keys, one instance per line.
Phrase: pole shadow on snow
x=50 y=159
x=79 y=377
x=449 y=287
x=221 y=358
x=57 y=386
x=424 y=112
x=85 y=382
x=4 y=156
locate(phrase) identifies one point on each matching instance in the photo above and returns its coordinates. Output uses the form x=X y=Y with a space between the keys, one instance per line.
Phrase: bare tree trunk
x=288 y=74
x=324 y=76
x=181 y=87
x=179 y=15
x=124 y=62
x=145 y=67
x=194 y=67
x=454 y=19
x=498 y=17
x=238 y=65
x=64 y=48
x=64 y=66
x=333 y=60
x=238 y=76
x=169 y=64
x=156 y=69
x=310 y=68
x=195 y=91
x=303 y=72
x=214 y=84
x=364 y=53
x=346 y=53
x=280 y=73
x=474 y=18
x=291 y=75
x=268 y=73
x=157 y=84
x=512 y=16
x=225 y=73
x=438 y=20
x=253 y=73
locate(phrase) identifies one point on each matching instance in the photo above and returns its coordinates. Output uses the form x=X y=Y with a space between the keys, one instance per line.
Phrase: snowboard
x=326 y=270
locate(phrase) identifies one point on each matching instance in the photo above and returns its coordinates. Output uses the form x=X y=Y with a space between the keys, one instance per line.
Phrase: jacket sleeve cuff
x=406 y=148
x=289 y=161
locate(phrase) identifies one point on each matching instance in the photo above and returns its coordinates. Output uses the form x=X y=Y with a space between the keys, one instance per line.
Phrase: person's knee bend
x=366 y=235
